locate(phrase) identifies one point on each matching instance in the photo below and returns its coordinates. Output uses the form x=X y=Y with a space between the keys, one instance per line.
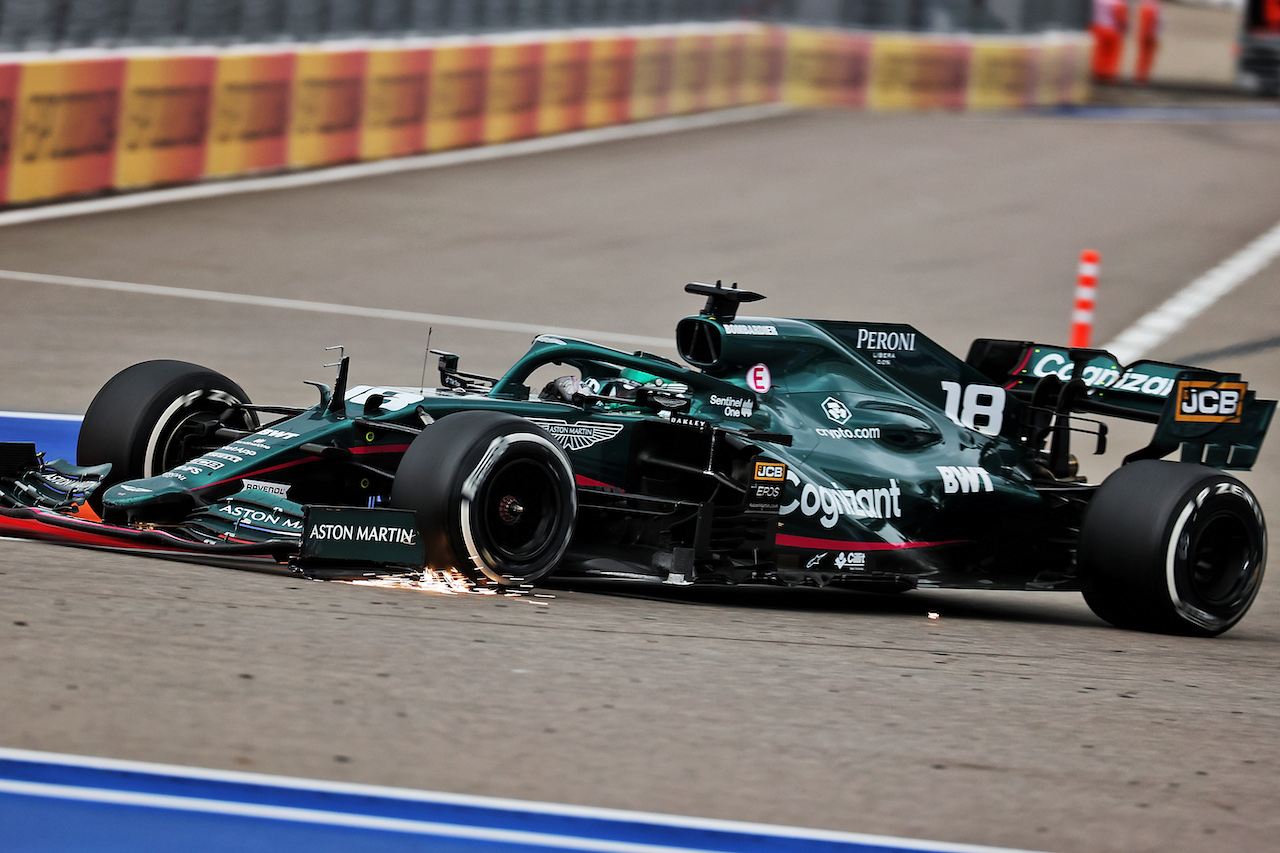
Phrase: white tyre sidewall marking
x=153 y=442
x=149 y=460
x=1192 y=614
x=471 y=485
x=1188 y=611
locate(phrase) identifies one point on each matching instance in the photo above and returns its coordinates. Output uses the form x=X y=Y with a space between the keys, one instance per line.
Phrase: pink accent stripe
x=27 y=528
x=1022 y=365
x=259 y=472
x=786 y=540
x=356 y=451
x=37 y=528
x=1026 y=359
x=587 y=481
x=379 y=448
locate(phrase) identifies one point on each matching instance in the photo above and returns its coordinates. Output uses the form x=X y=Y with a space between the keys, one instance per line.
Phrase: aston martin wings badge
x=580 y=435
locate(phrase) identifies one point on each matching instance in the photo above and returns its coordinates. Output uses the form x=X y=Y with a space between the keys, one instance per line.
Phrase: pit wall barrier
x=81 y=122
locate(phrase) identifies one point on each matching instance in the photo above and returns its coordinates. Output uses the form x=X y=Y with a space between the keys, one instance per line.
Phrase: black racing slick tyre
x=495 y=496
x=154 y=416
x=1172 y=548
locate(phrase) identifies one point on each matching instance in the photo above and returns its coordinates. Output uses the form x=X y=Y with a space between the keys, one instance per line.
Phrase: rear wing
x=1211 y=417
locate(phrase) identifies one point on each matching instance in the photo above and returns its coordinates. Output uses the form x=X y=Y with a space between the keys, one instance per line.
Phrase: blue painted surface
x=42 y=825
x=1244 y=112
x=56 y=438
x=55 y=803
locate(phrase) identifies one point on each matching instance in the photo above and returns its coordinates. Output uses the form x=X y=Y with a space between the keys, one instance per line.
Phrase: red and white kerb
x=1086 y=288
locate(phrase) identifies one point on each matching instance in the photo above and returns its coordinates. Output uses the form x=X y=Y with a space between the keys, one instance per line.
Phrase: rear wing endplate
x=1211 y=417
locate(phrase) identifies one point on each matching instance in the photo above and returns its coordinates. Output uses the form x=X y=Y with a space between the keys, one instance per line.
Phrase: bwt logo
x=963 y=479
x=1210 y=402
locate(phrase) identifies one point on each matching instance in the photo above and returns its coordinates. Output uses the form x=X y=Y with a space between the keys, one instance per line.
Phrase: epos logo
x=1201 y=401
x=775 y=471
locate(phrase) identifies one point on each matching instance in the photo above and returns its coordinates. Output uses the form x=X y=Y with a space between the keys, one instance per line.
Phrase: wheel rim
x=1221 y=557
x=188 y=434
x=178 y=444
x=520 y=505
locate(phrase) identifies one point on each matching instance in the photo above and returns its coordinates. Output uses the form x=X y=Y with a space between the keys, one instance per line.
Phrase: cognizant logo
x=830 y=504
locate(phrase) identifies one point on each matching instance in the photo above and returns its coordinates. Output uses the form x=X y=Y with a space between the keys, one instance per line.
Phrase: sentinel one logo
x=363 y=533
x=734 y=407
x=829 y=504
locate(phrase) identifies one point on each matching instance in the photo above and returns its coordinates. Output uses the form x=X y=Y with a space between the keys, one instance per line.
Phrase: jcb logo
x=1210 y=402
x=775 y=471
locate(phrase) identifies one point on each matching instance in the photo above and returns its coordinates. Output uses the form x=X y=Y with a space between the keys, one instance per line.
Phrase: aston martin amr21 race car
x=821 y=452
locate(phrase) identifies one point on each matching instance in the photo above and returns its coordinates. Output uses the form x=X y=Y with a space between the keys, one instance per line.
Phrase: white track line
x=333 y=308
x=1185 y=305
x=40 y=416
x=374 y=168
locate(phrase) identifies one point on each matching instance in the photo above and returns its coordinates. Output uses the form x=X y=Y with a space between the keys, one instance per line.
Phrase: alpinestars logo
x=580 y=435
x=836 y=410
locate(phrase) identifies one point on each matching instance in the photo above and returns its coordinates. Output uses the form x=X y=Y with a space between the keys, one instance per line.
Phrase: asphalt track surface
x=1012 y=719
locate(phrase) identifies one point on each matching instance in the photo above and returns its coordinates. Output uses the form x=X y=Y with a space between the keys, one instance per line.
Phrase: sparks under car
x=784 y=451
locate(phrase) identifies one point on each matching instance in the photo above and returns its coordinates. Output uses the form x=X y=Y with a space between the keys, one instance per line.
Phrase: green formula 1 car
x=790 y=452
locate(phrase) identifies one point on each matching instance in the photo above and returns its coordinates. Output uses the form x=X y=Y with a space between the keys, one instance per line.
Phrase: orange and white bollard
x=1086 y=288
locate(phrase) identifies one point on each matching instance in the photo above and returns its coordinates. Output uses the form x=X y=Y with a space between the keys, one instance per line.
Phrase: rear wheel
x=156 y=415
x=1173 y=548
x=494 y=495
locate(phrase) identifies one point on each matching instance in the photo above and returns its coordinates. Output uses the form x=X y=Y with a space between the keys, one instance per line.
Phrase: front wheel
x=1172 y=548
x=154 y=416
x=494 y=496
